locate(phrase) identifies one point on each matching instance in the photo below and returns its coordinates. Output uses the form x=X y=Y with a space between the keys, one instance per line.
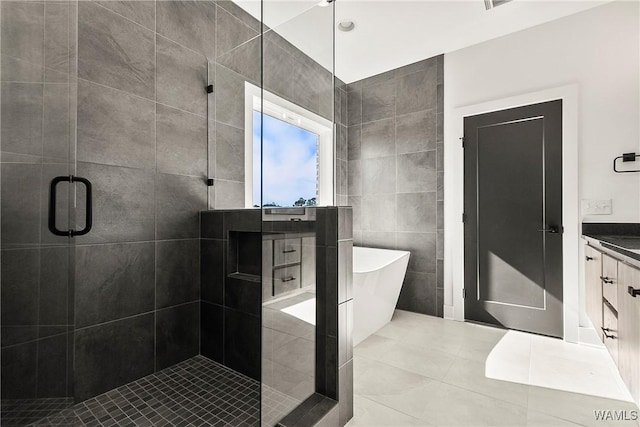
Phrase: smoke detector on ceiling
x=490 y=4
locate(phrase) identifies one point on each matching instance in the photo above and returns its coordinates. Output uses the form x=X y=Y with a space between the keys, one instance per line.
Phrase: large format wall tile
x=277 y=66
x=396 y=172
x=190 y=23
x=56 y=121
x=379 y=175
x=115 y=51
x=416 y=212
x=232 y=32
x=229 y=89
x=423 y=250
x=113 y=281
x=212 y=331
x=177 y=334
x=22 y=118
x=378 y=139
x=123 y=204
x=416 y=132
x=19 y=371
x=229 y=195
x=213 y=259
x=182 y=142
x=22 y=30
x=242 y=342
x=417 y=91
x=418 y=293
x=416 y=172
x=109 y=355
x=115 y=128
x=229 y=153
x=141 y=11
x=52 y=366
x=20 y=281
x=20 y=204
x=179 y=202
x=54 y=289
x=182 y=77
x=178 y=272
x=245 y=60
x=57 y=49
x=378 y=101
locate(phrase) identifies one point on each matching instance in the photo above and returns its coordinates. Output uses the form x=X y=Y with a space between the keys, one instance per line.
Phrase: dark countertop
x=622 y=238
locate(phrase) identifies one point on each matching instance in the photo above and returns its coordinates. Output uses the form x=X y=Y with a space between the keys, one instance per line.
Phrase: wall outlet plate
x=596 y=207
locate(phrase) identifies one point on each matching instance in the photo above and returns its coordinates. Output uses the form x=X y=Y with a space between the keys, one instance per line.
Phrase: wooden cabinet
x=614 y=311
x=610 y=280
x=593 y=287
x=288 y=264
x=629 y=329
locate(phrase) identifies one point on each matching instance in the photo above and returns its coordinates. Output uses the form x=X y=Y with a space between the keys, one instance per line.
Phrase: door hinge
x=464 y=293
x=464 y=217
x=462 y=141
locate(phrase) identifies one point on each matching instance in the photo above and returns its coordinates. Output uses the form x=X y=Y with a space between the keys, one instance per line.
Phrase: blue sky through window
x=289 y=162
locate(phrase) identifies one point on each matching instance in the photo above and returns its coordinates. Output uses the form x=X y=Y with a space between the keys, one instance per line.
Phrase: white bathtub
x=377 y=279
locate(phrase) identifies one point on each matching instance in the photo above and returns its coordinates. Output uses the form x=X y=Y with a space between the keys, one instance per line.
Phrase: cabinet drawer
x=286 y=251
x=593 y=288
x=610 y=280
x=286 y=279
x=610 y=329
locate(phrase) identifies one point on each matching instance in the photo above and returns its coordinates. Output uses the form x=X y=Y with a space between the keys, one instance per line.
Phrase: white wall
x=599 y=51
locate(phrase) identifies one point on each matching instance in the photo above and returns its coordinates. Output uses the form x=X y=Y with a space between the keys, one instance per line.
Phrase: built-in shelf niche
x=244 y=255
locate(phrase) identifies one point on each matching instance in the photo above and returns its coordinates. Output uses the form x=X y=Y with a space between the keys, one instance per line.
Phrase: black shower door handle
x=52 y=206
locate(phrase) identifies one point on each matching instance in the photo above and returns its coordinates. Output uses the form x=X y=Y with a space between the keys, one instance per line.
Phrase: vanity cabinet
x=629 y=328
x=593 y=287
x=614 y=309
x=288 y=264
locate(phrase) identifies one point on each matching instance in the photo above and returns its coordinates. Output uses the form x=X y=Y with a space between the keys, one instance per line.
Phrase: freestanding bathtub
x=377 y=279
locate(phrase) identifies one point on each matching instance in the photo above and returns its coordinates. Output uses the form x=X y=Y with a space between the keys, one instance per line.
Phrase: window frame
x=265 y=102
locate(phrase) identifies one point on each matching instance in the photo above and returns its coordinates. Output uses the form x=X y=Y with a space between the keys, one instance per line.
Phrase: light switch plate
x=596 y=207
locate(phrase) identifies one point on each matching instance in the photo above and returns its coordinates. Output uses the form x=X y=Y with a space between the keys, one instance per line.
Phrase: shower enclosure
x=123 y=125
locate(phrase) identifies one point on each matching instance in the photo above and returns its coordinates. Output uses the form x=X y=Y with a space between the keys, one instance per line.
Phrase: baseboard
x=448 y=312
x=589 y=336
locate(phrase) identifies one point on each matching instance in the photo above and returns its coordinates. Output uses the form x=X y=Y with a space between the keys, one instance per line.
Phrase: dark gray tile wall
x=334 y=293
x=231 y=306
x=395 y=173
x=138 y=102
x=37 y=46
x=142 y=141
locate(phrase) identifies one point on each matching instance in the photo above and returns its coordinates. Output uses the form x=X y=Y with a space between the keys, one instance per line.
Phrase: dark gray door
x=513 y=218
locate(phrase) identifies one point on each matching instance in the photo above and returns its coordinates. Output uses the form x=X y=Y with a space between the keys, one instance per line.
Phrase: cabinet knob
x=589 y=258
x=633 y=292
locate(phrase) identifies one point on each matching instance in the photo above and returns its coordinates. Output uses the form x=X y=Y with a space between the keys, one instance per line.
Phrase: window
x=292 y=164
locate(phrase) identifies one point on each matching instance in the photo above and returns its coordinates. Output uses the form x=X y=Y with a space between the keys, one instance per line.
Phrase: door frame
x=454 y=201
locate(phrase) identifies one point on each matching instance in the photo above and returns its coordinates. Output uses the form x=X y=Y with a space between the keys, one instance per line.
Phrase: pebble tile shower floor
x=196 y=392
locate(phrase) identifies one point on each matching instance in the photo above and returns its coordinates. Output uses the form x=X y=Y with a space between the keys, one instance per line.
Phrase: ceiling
x=393 y=33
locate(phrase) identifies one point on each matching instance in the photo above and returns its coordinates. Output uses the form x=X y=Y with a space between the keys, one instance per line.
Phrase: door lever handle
x=552 y=229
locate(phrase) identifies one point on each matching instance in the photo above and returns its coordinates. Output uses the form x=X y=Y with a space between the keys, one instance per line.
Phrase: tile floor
x=426 y=371
x=196 y=392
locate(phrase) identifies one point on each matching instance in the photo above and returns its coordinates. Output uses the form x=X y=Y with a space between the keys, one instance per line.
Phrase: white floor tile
x=450 y=373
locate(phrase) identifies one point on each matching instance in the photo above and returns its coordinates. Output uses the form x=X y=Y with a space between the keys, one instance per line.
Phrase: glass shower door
x=36 y=145
x=294 y=140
